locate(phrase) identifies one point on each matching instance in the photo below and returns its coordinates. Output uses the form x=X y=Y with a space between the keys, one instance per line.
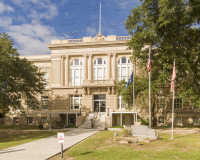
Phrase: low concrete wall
x=140 y=130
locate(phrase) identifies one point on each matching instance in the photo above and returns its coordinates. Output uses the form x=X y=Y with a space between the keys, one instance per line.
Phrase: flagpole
x=134 y=100
x=173 y=105
x=149 y=95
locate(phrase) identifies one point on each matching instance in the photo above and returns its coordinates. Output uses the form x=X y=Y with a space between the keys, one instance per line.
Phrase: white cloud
x=4 y=7
x=91 y=31
x=5 y=21
x=32 y=39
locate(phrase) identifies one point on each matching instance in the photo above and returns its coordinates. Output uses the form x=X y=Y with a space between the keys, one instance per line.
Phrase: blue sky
x=49 y=19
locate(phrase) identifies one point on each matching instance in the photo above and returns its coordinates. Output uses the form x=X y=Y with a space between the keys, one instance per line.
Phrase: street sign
x=60 y=137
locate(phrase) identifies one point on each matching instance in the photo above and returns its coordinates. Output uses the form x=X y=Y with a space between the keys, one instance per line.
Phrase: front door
x=100 y=103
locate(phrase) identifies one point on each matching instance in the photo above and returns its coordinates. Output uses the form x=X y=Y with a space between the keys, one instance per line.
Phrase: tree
x=171 y=29
x=19 y=79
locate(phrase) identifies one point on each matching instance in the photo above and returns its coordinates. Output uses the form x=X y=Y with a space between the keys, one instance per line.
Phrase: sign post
x=61 y=137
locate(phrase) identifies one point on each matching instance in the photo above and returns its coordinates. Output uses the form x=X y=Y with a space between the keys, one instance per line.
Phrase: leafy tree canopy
x=19 y=79
x=172 y=30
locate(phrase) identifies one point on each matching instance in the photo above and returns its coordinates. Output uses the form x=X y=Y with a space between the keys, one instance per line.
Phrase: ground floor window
x=30 y=120
x=44 y=119
x=16 y=120
x=76 y=101
x=178 y=120
x=177 y=103
x=71 y=120
x=195 y=121
x=121 y=103
x=161 y=101
x=45 y=102
x=161 y=119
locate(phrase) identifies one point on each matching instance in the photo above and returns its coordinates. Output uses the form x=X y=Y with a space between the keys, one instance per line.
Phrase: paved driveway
x=45 y=148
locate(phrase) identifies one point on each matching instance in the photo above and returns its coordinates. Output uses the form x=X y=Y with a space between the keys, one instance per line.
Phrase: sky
x=32 y=24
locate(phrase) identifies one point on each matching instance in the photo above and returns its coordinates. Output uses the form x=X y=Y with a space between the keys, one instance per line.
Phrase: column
x=66 y=71
x=90 y=68
x=76 y=119
x=85 y=67
x=120 y=119
x=114 y=66
x=49 y=121
x=67 y=119
x=108 y=68
x=61 y=68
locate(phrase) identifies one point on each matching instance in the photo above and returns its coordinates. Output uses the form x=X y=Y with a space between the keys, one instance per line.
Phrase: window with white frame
x=76 y=101
x=161 y=119
x=76 y=72
x=46 y=78
x=178 y=120
x=44 y=119
x=178 y=103
x=30 y=120
x=121 y=103
x=45 y=102
x=195 y=121
x=99 y=69
x=161 y=101
x=123 y=69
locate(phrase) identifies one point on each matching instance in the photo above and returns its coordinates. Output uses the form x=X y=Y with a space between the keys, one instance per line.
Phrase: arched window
x=76 y=72
x=124 y=69
x=99 y=69
x=46 y=78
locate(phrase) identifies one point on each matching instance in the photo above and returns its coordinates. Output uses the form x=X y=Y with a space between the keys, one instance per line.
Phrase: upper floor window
x=194 y=104
x=30 y=103
x=177 y=103
x=124 y=69
x=46 y=78
x=161 y=101
x=99 y=69
x=76 y=72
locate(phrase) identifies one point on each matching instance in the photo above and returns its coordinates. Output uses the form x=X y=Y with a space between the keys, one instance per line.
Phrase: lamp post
x=108 y=110
x=80 y=110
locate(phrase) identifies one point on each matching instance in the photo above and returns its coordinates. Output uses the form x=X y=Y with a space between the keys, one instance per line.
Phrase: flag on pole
x=149 y=62
x=173 y=77
x=129 y=81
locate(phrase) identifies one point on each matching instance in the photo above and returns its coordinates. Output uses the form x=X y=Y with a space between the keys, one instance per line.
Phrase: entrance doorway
x=100 y=103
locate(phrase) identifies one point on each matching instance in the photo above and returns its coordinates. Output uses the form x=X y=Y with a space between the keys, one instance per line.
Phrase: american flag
x=173 y=78
x=149 y=62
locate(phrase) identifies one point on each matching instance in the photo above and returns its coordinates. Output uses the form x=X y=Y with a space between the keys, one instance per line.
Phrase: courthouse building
x=82 y=76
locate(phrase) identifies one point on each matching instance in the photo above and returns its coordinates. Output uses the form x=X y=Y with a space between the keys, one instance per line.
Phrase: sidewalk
x=45 y=148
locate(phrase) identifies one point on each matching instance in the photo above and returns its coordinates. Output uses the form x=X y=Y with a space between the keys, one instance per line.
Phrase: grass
x=17 y=137
x=101 y=146
x=117 y=127
x=19 y=127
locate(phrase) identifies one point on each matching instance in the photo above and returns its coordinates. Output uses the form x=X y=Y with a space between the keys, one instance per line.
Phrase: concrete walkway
x=45 y=148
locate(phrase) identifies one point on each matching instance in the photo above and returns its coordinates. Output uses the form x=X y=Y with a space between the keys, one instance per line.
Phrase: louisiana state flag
x=129 y=81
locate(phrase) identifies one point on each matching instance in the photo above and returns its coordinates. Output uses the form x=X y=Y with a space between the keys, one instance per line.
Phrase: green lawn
x=19 y=127
x=101 y=146
x=17 y=137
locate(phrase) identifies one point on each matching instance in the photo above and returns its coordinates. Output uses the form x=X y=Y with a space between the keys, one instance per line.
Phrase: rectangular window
x=30 y=104
x=16 y=120
x=121 y=103
x=177 y=103
x=195 y=105
x=76 y=101
x=178 y=121
x=44 y=119
x=195 y=121
x=30 y=120
x=161 y=101
x=45 y=102
x=161 y=119
x=118 y=73
x=100 y=74
x=104 y=73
